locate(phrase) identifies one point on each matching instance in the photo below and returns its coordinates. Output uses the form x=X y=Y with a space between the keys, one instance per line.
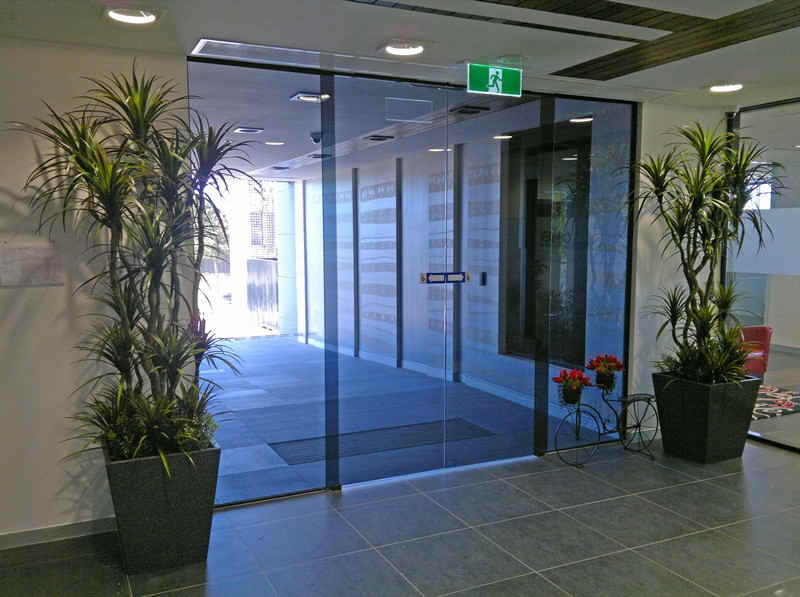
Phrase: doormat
x=303 y=451
x=773 y=401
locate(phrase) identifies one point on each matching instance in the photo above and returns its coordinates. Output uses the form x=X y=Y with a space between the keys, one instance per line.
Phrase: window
x=760 y=197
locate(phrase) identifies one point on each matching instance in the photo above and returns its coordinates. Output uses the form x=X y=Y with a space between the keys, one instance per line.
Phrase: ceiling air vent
x=379 y=137
x=280 y=167
x=469 y=110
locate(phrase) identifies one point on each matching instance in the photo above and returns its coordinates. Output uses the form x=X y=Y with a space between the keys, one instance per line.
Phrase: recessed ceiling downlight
x=275 y=143
x=581 y=119
x=248 y=130
x=403 y=48
x=131 y=16
x=503 y=137
x=726 y=88
x=310 y=97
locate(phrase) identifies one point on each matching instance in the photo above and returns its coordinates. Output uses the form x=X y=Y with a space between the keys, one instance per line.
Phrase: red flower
x=605 y=363
x=572 y=380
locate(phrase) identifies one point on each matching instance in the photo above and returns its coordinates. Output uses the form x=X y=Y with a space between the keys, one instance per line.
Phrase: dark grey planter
x=701 y=422
x=164 y=522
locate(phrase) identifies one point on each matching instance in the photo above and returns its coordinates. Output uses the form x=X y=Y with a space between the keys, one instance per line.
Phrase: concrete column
x=285 y=238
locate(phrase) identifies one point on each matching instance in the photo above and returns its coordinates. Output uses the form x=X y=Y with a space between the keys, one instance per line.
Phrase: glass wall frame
x=465 y=336
x=768 y=278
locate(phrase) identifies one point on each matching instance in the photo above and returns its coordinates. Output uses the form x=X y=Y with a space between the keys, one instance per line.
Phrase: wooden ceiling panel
x=766 y=19
x=606 y=10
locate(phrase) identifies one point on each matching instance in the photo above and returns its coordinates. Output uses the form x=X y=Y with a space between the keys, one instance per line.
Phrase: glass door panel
x=263 y=287
x=389 y=156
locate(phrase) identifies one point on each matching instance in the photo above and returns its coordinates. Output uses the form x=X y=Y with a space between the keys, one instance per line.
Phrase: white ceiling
x=337 y=28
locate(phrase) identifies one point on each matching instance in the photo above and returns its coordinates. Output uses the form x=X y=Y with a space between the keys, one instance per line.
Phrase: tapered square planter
x=164 y=521
x=704 y=422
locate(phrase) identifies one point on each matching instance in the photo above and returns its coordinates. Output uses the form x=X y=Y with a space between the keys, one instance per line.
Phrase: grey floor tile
x=549 y=539
x=778 y=534
x=565 y=487
x=398 y=519
x=487 y=502
x=530 y=585
x=453 y=561
x=449 y=478
x=766 y=490
x=636 y=474
x=227 y=557
x=621 y=575
x=720 y=563
x=260 y=484
x=755 y=457
x=77 y=577
x=271 y=510
x=298 y=540
x=525 y=466
x=370 y=492
x=248 y=458
x=632 y=520
x=251 y=585
x=705 y=503
x=359 y=574
x=790 y=588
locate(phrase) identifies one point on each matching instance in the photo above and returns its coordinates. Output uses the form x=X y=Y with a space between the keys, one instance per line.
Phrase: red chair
x=759 y=336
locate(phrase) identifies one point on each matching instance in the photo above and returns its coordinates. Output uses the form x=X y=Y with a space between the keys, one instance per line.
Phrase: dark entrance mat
x=773 y=401
x=379 y=440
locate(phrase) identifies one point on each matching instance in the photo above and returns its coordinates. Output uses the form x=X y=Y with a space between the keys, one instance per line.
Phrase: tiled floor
x=622 y=526
x=271 y=408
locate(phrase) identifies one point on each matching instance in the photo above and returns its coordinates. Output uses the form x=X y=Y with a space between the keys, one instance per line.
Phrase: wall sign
x=494 y=80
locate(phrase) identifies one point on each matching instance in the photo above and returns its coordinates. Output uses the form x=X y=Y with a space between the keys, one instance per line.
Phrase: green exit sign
x=494 y=80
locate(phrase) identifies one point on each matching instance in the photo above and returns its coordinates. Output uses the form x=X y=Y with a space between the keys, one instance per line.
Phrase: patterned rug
x=773 y=401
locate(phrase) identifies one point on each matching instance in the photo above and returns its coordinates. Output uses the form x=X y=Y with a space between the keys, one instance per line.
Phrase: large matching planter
x=701 y=422
x=164 y=522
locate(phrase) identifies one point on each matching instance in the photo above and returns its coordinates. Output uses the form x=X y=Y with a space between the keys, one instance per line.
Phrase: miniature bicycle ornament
x=582 y=430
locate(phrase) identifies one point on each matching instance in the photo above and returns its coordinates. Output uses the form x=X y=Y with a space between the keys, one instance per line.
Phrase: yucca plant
x=131 y=167
x=699 y=191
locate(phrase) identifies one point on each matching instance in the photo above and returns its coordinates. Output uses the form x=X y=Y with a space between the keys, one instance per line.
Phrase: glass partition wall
x=439 y=257
x=769 y=278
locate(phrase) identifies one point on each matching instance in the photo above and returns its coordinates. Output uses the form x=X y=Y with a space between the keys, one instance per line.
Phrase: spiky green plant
x=699 y=190
x=129 y=166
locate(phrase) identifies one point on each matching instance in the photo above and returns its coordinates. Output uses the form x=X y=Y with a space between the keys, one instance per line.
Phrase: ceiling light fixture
x=403 y=48
x=248 y=130
x=310 y=97
x=581 y=119
x=439 y=149
x=570 y=158
x=275 y=143
x=131 y=16
x=502 y=137
x=725 y=88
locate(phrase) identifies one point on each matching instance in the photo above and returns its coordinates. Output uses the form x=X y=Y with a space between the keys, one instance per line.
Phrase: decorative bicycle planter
x=582 y=430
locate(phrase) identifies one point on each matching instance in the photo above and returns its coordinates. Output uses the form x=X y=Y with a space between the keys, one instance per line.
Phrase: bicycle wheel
x=642 y=425
x=577 y=436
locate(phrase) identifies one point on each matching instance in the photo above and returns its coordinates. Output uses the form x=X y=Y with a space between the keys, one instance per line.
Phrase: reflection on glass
x=527 y=196
x=768 y=278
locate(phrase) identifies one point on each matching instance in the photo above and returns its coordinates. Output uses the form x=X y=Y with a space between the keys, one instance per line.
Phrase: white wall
x=39 y=326
x=652 y=270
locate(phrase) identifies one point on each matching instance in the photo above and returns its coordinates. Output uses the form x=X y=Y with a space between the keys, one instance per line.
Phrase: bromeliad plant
x=133 y=171
x=700 y=191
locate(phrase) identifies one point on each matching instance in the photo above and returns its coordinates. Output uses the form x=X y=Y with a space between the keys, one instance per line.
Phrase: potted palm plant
x=132 y=169
x=700 y=191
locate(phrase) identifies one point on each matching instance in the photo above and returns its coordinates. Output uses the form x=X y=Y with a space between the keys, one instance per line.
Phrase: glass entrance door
x=435 y=257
